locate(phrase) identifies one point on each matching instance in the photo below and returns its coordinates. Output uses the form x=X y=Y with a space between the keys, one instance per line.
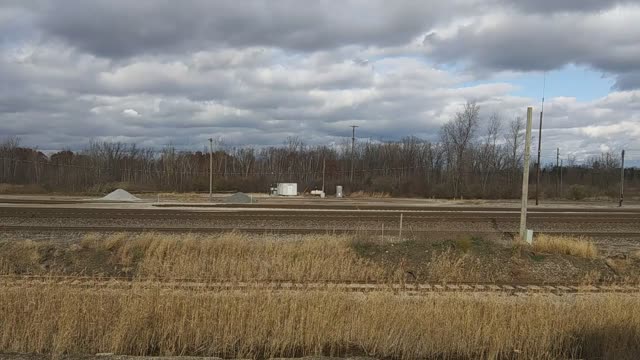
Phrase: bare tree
x=458 y=135
x=513 y=140
x=489 y=159
x=604 y=161
x=468 y=161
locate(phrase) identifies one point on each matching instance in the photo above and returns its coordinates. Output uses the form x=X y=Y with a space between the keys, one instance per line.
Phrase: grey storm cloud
x=551 y=6
x=628 y=81
x=119 y=28
x=254 y=72
x=508 y=41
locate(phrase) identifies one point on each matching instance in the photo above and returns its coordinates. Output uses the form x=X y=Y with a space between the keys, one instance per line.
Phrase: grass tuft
x=565 y=245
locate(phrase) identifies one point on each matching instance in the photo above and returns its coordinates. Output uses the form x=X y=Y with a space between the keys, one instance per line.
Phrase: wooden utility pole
x=622 y=180
x=525 y=175
x=210 y=169
x=353 y=149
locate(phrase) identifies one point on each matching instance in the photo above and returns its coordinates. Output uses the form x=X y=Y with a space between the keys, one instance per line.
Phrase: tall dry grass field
x=239 y=257
x=225 y=257
x=260 y=324
x=231 y=256
x=565 y=245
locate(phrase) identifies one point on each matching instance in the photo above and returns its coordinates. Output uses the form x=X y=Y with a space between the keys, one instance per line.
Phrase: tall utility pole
x=538 y=163
x=210 y=169
x=561 y=166
x=544 y=84
x=622 y=180
x=353 y=149
x=324 y=163
x=557 y=168
x=525 y=174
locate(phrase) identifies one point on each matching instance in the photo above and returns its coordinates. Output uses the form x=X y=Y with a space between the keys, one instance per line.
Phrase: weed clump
x=565 y=245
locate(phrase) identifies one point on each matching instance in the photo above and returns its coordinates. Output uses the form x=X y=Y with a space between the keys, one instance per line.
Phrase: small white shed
x=287 y=189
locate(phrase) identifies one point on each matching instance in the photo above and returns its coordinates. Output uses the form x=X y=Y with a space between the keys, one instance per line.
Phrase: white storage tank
x=287 y=189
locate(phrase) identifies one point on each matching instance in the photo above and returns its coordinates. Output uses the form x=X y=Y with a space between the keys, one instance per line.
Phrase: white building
x=287 y=189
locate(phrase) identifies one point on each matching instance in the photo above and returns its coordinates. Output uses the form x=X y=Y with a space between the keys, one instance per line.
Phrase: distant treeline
x=472 y=159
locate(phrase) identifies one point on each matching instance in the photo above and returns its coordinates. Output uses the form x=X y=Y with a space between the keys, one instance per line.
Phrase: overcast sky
x=254 y=72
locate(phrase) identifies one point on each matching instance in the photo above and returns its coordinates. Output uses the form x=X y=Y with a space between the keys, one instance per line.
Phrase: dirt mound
x=120 y=195
x=239 y=198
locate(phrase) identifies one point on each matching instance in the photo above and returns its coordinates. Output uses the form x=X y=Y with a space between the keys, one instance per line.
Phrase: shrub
x=578 y=192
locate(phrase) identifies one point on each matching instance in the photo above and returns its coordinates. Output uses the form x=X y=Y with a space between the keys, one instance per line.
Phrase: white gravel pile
x=120 y=195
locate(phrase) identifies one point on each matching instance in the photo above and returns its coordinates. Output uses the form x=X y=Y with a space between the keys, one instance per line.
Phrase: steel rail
x=290 y=230
x=285 y=285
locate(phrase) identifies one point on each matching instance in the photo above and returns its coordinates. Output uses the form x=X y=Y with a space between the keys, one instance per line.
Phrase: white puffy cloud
x=130 y=113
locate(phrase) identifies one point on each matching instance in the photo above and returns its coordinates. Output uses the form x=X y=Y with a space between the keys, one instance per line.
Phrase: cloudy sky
x=255 y=72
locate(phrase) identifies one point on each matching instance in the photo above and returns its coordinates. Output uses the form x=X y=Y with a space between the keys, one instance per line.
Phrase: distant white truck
x=318 y=192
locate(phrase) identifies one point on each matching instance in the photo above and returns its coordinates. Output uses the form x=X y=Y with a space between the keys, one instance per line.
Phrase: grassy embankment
x=238 y=257
x=61 y=319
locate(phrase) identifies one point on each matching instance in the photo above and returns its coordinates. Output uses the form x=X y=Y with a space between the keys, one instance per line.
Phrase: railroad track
x=327 y=204
x=597 y=222
x=285 y=285
x=289 y=230
x=365 y=215
x=393 y=207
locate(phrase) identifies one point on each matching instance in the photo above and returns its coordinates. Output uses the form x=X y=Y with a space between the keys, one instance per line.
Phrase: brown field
x=257 y=324
x=151 y=319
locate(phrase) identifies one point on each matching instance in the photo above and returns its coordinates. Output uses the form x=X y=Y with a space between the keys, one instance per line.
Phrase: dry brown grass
x=174 y=196
x=229 y=256
x=362 y=194
x=145 y=320
x=21 y=189
x=241 y=257
x=449 y=266
x=238 y=257
x=565 y=245
x=261 y=324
